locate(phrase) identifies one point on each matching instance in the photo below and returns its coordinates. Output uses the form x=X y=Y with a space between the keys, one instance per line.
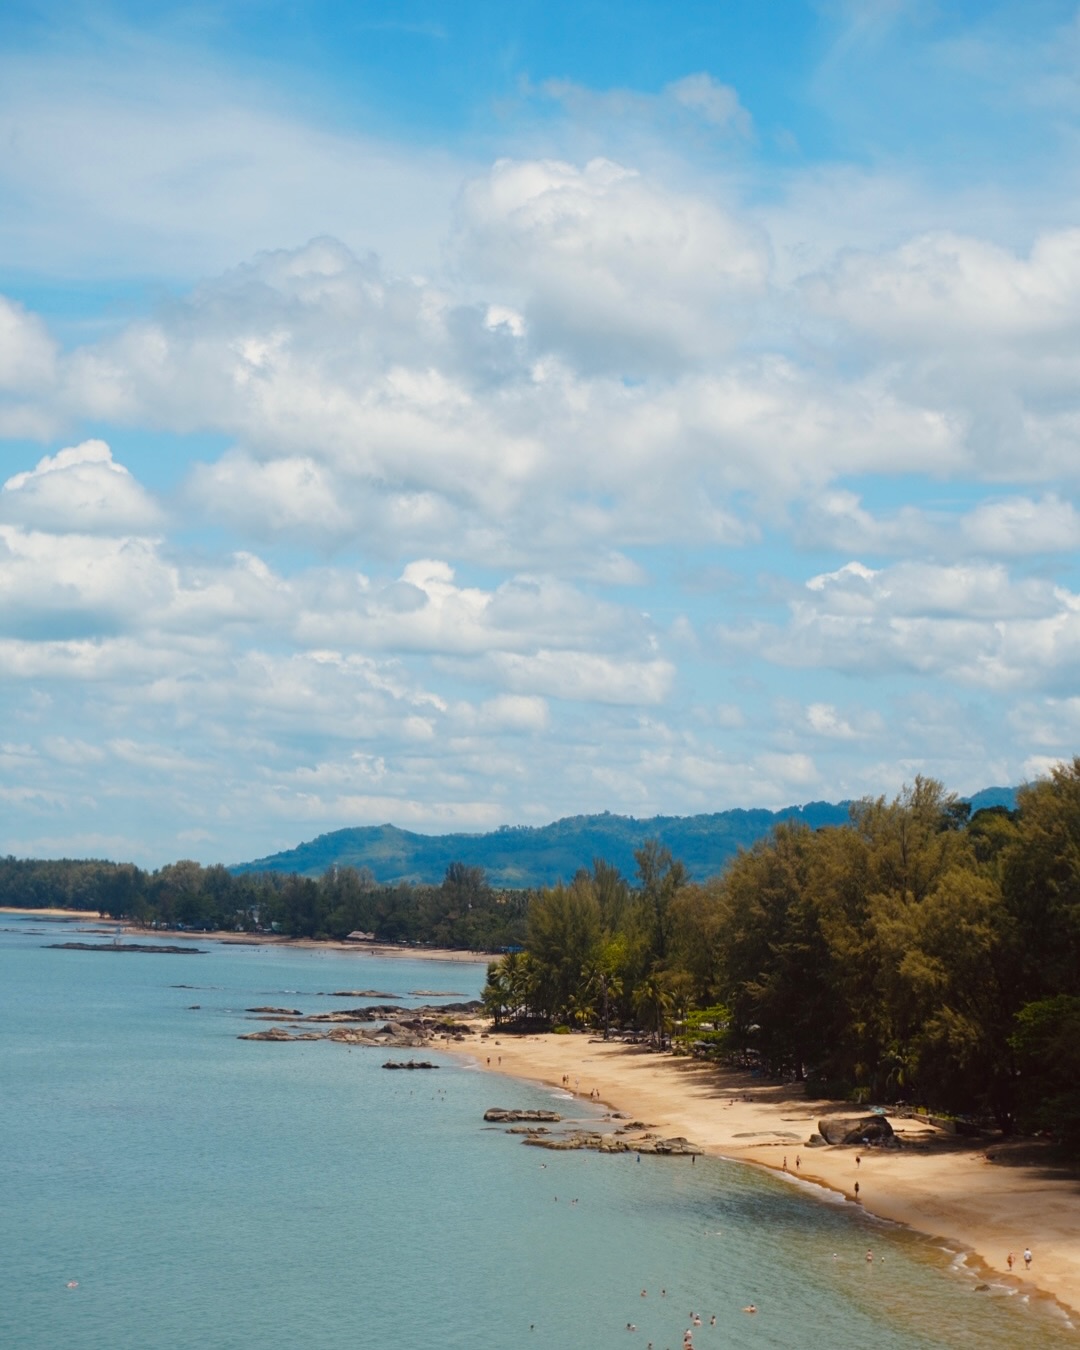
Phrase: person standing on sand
x=856 y=1192
x=858 y=1160
x=1009 y=1260
x=1027 y=1257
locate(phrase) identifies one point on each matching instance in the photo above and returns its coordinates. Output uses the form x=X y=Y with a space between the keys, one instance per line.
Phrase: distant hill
x=992 y=796
x=519 y=856
x=522 y=856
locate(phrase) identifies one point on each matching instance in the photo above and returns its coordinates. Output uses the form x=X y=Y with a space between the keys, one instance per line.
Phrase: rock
x=153 y=948
x=610 y=1143
x=500 y=1115
x=528 y=1129
x=676 y=1147
x=361 y=993
x=863 y=1130
x=564 y=1142
x=276 y=1012
x=280 y=1034
x=409 y=1064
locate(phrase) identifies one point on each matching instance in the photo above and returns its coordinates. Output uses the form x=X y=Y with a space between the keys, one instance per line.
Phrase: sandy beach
x=990 y=1199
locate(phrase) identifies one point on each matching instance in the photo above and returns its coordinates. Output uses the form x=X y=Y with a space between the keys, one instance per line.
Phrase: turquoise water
x=211 y=1192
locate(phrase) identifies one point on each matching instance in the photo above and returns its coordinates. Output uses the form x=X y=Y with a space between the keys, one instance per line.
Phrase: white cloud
x=999 y=527
x=81 y=488
x=612 y=269
x=972 y=624
x=942 y=289
x=27 y=352
x=718 y=104
x=823 y=719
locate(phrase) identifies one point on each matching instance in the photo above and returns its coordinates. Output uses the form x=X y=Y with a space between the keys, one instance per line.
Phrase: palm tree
x=653 y=1004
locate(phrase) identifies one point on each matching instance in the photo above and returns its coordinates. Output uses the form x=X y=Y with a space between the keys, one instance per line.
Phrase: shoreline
x=985 y=1198
x=260 y=939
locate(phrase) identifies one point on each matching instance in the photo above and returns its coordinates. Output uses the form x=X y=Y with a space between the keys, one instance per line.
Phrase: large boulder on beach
x=873 y=1129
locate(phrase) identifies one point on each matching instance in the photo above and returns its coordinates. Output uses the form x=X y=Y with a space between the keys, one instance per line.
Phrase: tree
x=661 y=879
x=564 y=931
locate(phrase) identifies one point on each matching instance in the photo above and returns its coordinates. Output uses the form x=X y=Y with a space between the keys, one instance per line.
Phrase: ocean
x=209 y=1192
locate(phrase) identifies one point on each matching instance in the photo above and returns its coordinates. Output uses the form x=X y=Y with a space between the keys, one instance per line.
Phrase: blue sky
x=474 y=414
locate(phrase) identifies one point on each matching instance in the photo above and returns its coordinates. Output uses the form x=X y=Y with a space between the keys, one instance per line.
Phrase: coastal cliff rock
x=862 y=1130
x=501 y=1116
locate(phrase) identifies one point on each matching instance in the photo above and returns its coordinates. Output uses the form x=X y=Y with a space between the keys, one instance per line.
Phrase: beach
x=988 y=1198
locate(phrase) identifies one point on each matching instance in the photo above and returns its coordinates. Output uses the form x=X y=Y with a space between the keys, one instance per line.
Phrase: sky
x=467 y=414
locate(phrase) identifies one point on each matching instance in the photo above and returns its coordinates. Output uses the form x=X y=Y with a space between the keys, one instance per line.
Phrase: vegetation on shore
x=464 y=912
x=917 y=952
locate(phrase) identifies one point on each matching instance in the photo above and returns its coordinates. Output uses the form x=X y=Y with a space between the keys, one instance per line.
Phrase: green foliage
x=464 y=912
x=915 y=951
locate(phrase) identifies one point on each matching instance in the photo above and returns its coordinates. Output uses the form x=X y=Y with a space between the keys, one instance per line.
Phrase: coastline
x=988 y=1199
x=258 y=939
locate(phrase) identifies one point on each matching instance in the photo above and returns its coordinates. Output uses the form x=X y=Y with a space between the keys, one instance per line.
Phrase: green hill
x=523 y=856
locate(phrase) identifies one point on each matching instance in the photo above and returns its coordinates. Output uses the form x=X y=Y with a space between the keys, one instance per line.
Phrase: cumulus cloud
x=80 y=488
x=364 y=405
x=973 y=624
x=1000 y=527
x=612 y=269
x=942 y=289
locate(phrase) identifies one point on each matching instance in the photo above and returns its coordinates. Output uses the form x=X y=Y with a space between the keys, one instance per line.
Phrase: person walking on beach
x=1009 y=1260
x=856 y=1192
x=1027 y=1257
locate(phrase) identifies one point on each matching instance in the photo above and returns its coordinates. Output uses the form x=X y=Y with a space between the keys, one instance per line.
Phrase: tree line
x=463 y=912
x=917 y=953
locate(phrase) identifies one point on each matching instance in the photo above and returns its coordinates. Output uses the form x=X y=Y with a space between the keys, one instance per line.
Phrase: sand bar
x=991 y=1200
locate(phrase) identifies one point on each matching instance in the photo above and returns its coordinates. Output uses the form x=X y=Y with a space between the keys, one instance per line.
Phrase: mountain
x=519 y=856
x=522 y=856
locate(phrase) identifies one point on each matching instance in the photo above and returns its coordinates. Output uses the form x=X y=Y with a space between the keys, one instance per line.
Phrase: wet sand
x=988 y=1197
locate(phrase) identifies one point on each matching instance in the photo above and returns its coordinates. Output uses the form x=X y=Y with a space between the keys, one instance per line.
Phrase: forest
x=464 y=912
x=917 y=953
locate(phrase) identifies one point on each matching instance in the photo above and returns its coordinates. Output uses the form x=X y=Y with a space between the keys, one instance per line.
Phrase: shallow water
x=206 y=1191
